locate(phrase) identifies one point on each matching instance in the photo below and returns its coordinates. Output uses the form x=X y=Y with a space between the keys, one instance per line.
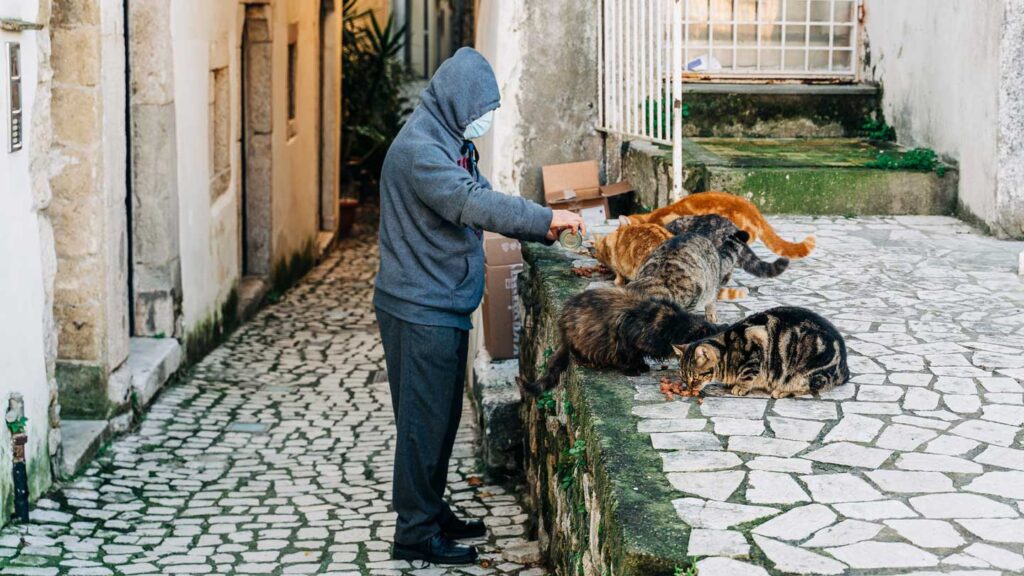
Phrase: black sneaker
x=457 y=529
x=438 y=550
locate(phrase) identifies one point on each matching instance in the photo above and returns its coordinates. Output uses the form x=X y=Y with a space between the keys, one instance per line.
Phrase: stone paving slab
x=274 y=456
x=917 y=464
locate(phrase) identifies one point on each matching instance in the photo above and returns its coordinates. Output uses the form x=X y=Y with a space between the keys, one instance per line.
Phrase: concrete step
x=795 y=176
x=80 y=440
x=251 y=291
x=784 y=110
x=152 y=362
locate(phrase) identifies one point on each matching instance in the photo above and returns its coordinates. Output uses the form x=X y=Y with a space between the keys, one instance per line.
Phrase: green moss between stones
x=759 y=115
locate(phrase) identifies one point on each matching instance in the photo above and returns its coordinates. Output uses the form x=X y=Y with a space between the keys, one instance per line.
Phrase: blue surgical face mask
x=479 y=127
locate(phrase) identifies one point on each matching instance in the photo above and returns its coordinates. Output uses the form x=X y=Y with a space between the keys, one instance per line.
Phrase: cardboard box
x=574 y=181
x=577 y=187
x=501 y=251
x=501 y=314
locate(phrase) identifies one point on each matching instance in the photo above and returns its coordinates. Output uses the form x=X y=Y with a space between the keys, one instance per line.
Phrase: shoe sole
x=409 y=555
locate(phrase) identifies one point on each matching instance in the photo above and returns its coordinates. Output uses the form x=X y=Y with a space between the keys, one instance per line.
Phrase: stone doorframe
x=257 y=140
x=155 y=252
x=330 y=113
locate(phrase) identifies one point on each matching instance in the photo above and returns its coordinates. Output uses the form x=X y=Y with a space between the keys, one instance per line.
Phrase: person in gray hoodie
x=434 y=207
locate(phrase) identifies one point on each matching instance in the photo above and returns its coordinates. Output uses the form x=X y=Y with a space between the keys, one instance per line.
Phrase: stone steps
x=783 y=110
x=795 y=176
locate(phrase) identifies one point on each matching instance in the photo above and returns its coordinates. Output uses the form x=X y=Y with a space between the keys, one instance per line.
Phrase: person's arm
x=454 y=194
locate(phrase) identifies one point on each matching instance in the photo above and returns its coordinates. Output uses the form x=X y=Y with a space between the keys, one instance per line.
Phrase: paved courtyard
x=272 y=457
x=917 y=464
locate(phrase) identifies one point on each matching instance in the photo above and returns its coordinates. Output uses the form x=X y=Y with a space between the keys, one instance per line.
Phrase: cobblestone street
x=916 y=464
x=273 y=456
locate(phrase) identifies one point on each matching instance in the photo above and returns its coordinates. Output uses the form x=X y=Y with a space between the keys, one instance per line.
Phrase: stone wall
x=596 y=491
x=545 y=57
x=1010 y=195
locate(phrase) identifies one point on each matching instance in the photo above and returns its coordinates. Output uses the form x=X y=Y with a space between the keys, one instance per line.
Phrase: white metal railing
x=650 y=47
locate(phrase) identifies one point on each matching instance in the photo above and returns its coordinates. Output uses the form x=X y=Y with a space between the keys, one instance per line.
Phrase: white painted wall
x=939 y=64
x=498 y=39
x=296 y=179
x=205 y=35
x=22 y=293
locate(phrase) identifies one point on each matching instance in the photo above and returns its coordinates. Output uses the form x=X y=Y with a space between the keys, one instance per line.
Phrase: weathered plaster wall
x=939 y=64
x=1010 y=196
x=88 y=210
x=205 y=36
x=545 y=55
x=296 y=175
x=27 y=341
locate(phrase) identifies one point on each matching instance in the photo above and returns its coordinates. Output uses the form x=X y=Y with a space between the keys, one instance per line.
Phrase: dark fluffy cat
x=689 y=270
x=786 y=351
x=719 y=229
x=615 y=328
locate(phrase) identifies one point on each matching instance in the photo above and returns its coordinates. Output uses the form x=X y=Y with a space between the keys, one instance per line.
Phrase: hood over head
x=462 y=90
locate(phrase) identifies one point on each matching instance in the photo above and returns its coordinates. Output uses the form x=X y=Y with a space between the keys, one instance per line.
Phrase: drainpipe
x=16 y=423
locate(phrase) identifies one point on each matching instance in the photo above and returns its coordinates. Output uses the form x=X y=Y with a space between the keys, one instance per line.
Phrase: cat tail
x=775 y=243
x=557 y=364
x=760 y=268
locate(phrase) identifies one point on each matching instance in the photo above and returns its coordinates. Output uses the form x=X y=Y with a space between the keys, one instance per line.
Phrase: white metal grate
x=771 y=38
x=649 y=47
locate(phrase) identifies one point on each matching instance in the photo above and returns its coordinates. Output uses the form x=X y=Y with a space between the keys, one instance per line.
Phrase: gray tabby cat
x=786 y=351
x=718 y=229
x=689 y=270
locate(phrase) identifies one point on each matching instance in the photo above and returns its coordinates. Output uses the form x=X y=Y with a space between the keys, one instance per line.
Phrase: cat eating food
x=689 y=270
x=617 y=328
x=786 y=351
x=742 y=212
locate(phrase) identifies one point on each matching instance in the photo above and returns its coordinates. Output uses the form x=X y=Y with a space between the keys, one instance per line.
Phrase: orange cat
x=741 y=211
x=625 y=249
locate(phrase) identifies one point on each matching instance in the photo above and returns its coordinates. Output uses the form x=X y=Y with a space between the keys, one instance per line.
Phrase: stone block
x=83 y=391
x=260 y=83
x=82 y=439
x=76 y=118
x=76 y=56
x=79 y=319
x=152 y=362
x=496 y=397
x=69 y=13
x=151 y=54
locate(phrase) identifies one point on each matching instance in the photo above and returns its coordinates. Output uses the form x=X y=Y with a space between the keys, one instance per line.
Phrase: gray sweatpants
x=426 y=372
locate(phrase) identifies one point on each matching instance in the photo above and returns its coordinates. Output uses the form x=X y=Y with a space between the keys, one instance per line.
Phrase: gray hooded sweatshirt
x=432 y=210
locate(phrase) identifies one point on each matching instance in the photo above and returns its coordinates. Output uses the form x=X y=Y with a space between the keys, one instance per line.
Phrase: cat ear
x=705 y=356
x=742 y=236
x=680 y=349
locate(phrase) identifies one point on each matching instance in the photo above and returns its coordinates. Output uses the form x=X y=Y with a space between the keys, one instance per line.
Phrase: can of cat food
x=570 y=239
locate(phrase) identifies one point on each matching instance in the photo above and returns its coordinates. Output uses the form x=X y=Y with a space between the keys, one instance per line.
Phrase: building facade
x=178 y=159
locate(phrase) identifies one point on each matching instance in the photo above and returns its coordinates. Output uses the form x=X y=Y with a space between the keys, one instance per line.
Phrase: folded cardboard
x=501 y=251
x=577 y=187
x=501 y=312
x=573 y=181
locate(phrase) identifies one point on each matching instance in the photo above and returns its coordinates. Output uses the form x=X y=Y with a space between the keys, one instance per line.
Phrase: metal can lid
x=570 y=239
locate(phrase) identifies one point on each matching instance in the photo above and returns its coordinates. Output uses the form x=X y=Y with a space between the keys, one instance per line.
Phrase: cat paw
x=739 y=391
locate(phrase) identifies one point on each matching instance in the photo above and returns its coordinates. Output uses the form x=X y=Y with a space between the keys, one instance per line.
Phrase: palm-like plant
x=373 y=106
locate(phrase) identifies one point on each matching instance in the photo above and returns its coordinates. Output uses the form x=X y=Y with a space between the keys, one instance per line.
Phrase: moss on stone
x=638 y=531
x=82 y=389
x=793 y=115
x=289 y=269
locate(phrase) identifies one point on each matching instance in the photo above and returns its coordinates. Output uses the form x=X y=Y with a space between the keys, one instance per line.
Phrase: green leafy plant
x=373 y=105
x=917 y=159
x=571 y=460
x=569 y=408
x=659 y=113
x=546 y=402
x=18 y=426
x=878 y=130
x=690 y=571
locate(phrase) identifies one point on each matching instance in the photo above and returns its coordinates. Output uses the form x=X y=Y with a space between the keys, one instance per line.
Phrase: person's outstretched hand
x=562 y=220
